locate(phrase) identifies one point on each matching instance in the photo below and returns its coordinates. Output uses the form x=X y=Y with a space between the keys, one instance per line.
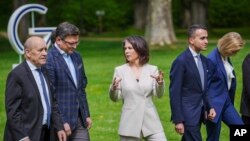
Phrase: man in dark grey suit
x=188 y=85
x=66 y=72
x=28 y=100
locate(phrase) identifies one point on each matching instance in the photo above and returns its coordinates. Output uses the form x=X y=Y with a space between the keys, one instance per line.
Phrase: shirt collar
x=31 y=66
x=193 y=52
x=224 y=59
x=59 y=49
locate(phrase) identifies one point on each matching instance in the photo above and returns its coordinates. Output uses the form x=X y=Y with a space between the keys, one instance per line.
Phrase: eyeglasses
x=71 y=43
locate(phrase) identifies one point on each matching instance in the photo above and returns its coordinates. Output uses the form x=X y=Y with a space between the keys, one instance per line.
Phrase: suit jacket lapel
x=32 y=80
x=141 y=79
x=133 y=81
x=221 y=65
x=233 y=83
x=60 y=58
x=192 y=65
x=74 y=60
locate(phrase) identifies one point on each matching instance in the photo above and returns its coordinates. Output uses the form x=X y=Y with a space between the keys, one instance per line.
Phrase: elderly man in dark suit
x=188 y=85
x=29 y=102
x=66 y=72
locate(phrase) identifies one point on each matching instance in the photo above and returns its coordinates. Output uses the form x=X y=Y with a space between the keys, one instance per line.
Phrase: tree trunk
x=195 y=12
x=140 y=11
x=42 y=18
x=186 y=10
x=24 y=22
x=199 y=11
x=159 y=28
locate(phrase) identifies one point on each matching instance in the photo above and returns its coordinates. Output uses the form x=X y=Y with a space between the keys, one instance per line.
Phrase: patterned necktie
x=45 y=96
x=201 y=70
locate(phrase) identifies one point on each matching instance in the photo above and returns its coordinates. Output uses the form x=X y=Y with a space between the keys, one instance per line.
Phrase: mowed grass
x=100 y=58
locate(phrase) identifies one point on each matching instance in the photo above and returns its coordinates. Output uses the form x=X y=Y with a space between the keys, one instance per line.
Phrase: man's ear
x=58 y=40
x=27 y=52
x=191 y=40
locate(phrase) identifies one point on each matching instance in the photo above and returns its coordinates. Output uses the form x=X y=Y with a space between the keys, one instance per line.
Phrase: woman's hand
x=159 y=77
x=116 y=83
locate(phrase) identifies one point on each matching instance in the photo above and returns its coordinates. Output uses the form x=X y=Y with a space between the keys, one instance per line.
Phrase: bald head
x=35 y=50
x=33 y=41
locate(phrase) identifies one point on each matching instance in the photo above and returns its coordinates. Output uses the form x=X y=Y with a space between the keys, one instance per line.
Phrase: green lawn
x=100 y=57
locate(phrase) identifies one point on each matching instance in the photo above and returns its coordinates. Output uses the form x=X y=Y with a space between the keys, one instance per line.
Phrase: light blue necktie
x=45 y=96
x=201 y=70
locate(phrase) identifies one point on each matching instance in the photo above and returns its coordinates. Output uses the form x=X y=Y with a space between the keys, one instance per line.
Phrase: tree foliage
x=6 y=9
x=221 y=13
x=119 y=14
x=229 y=13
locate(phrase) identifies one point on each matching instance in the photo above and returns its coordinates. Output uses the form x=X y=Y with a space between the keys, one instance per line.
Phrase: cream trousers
x=154 y=137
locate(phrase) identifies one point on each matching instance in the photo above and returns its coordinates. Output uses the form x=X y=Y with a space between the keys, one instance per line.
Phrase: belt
x=45 y=126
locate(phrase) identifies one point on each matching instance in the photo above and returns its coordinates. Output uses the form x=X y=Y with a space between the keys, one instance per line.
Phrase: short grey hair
x=66 y=29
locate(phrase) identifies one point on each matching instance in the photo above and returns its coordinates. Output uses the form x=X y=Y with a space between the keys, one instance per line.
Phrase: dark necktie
x=45 y=96
x=201 y=70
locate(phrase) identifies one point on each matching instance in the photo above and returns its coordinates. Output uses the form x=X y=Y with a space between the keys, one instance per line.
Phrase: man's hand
x=89 y=122
x=61 y=135
x=25 y=139
x=179 y=128
x=67 y=129
x=211 y=114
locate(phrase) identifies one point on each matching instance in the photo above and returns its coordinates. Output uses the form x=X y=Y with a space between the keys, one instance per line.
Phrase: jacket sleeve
x=245 y=74
x=115 y=95
x=56 y=118
x=13 y=103
x=175 y=91
x=212 y=76
x=84 y=94
x=158 y=90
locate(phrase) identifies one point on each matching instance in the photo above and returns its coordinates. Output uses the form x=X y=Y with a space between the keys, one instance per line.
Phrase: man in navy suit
x=223 y=85
x=66 y=71
x=188 y=84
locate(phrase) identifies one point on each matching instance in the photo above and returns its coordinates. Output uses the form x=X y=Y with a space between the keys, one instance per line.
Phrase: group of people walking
x=46 y=99
x=207 y=95
x=53 y=99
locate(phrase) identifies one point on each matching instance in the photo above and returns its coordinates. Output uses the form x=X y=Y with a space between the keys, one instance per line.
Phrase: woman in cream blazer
x=135 y=83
